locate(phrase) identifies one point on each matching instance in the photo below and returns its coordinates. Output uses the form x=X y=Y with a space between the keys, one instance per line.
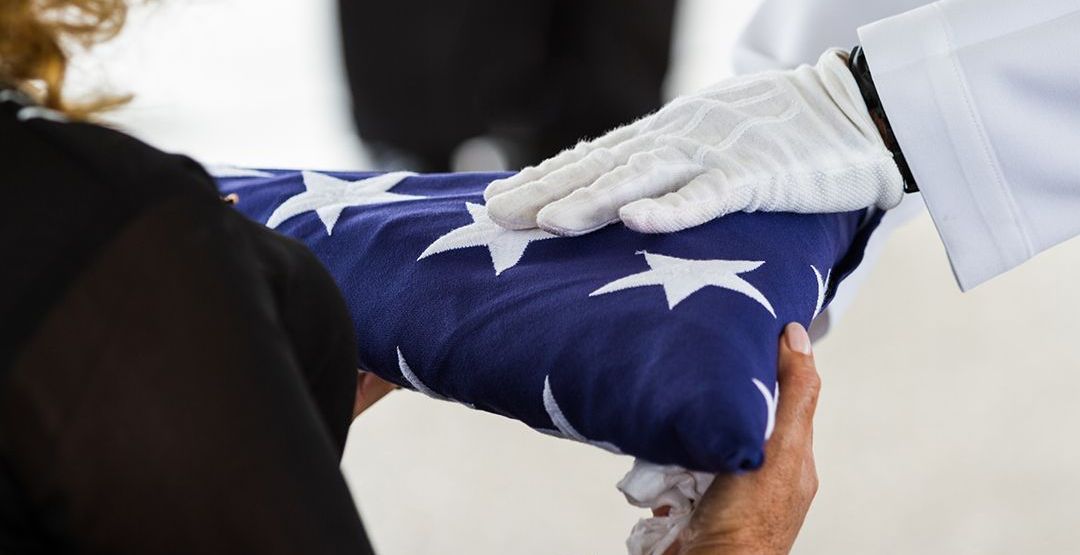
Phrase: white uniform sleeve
x=984 y=99
x=785 y=33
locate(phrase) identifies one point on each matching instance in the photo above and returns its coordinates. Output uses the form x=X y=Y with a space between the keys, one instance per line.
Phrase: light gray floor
x=946 y=421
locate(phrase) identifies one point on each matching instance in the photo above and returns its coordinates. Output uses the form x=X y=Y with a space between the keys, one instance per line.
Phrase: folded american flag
x=659 y=346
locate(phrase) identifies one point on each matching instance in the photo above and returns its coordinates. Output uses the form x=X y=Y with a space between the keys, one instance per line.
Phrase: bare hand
x=761 y=512
x=369 y=389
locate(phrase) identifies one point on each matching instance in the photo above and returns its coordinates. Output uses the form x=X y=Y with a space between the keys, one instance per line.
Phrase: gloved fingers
x=532 y=174
x=561 y=160
x=890 y=183
x=706 y=197
x=857 y=185
x=646 y=174
x=517 y=208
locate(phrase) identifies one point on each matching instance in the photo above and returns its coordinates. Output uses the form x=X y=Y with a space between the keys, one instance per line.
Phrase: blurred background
x=944 y=424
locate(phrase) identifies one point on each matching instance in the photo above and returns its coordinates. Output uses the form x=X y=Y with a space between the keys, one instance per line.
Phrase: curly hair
x=38 y=36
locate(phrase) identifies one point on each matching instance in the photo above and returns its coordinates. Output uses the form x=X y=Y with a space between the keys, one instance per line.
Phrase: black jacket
x=173 y=377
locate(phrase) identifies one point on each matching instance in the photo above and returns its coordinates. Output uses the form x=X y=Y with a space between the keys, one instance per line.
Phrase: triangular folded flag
x=659 y=346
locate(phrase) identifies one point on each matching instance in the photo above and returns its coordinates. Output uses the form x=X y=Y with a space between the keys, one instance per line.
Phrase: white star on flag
x=682 y=277
x=563 y=426
x=770 y=405
x=226 y=171
x=328 y=196
x=418 y=385
x=414 y=380
x=822 y=288
x=506 y=246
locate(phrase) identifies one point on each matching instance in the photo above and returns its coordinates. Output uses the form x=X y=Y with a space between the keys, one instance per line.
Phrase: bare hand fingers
x=799 y=386
x=369 y=389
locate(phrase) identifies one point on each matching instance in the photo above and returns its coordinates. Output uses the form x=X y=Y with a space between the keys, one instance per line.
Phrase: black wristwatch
x=861 y=70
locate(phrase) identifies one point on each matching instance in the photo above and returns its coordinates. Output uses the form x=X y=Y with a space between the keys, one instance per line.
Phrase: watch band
x=861 y=71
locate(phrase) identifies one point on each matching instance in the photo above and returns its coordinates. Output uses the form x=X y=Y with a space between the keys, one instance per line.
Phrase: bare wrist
x=730 y=547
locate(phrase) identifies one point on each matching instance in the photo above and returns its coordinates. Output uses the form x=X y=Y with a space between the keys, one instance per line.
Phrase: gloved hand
x=783 y=141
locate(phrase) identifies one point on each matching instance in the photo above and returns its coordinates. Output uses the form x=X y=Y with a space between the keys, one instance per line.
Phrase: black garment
x=428 y=74
x=173 y=377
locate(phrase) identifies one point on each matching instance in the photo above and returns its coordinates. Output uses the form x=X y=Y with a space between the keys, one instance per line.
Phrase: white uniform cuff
x=913 y=59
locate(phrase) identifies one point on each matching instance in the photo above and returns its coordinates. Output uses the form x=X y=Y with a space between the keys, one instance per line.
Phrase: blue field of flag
x=659 y=346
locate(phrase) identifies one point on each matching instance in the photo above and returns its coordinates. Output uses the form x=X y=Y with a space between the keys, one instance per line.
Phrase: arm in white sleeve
x=984 y=99
x=786 y=33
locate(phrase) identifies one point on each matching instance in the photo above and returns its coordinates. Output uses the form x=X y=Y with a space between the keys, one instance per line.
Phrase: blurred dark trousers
x=426 y=75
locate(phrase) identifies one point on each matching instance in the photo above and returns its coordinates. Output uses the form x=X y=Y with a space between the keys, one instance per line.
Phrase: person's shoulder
x=60 y=154
x=69 y=189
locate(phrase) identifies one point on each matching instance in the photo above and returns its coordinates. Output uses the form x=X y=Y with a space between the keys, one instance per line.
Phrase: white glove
x=784 y=141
